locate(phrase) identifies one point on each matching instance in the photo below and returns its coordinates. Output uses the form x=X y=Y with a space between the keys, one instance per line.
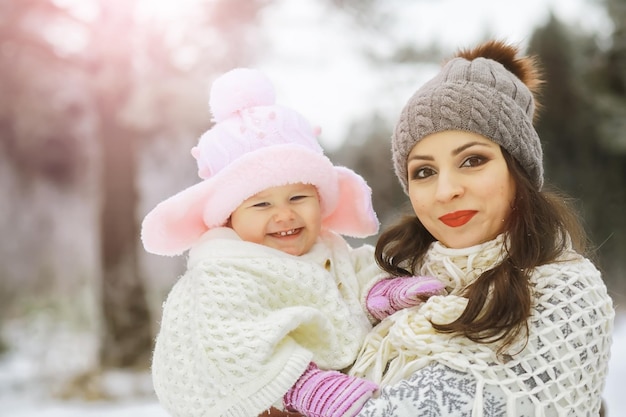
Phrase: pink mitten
x=319 y=393
x=390 y=295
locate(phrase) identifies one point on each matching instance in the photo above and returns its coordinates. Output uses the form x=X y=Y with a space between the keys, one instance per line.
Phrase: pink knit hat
x=254 y=145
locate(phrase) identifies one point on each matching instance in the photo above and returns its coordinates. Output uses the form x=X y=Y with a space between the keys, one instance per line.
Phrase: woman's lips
x=458 y=218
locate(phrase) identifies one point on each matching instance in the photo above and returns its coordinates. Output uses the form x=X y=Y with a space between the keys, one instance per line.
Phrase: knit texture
x=243 y=323
x=254 y=145
x=390 y=295
x=563 y=365
x=479 y=96
x=321 y=393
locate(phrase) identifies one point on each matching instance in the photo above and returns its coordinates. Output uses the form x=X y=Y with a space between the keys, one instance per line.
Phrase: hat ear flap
x=175 y=224
x=354 y=215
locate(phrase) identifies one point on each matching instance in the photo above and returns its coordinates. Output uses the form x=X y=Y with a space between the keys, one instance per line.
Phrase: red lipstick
x=457 y=218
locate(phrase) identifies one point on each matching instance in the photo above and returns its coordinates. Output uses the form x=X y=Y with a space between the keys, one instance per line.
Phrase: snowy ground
x=124 y=409
x=30 y=374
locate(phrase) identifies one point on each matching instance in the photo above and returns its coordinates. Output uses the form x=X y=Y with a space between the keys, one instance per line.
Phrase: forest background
x=101 y=100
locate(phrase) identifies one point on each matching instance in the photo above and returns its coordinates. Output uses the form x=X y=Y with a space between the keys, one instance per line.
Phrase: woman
x=526 y=327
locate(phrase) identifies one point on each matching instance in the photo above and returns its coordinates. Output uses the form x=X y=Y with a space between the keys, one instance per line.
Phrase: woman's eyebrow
x=421 y=157
x=461 y=148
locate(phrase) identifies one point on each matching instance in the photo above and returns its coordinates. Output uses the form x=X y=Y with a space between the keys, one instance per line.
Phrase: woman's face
x=460 y=187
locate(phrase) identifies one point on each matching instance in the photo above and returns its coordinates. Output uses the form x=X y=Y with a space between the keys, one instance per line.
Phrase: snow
x=33 y=369
x=126 y=409
x=614 y=390
x=43 y=357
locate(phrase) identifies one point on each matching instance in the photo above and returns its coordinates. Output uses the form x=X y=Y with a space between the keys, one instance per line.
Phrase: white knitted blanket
x=242 y=324
x=564 y=363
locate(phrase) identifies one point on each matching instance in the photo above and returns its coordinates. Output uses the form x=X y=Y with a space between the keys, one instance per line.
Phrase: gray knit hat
x=479 y=96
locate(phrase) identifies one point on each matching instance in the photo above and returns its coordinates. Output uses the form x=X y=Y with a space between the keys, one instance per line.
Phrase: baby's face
x=287 y=218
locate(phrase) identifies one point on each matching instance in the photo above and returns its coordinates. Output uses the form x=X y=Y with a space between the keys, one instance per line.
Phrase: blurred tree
x=47 y=128
x=608 y=81
x=616 y=67
x=565 y=126
x=39 y=146
x=131 y=62
x=607 y=77
x=142 y=76
x=126 y=331
x=368 y=153
x=580 y=157
x=366 y=148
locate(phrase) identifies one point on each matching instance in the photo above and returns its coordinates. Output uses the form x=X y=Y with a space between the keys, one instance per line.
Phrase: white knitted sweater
x=562 y=368
x=244 y=321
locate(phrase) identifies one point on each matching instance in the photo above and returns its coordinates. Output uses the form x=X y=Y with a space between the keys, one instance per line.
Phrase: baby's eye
x=298 y=197
x=422 y=172
x=261 y=204
x=474 y=161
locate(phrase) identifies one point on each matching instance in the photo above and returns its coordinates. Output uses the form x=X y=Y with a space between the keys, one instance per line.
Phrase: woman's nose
x=449 y=186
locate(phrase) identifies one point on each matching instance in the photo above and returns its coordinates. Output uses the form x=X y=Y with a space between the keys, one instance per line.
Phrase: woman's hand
x=393 y=294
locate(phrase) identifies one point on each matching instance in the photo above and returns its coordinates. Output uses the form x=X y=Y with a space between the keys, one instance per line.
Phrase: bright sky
x=315 y=64
x=315 y=69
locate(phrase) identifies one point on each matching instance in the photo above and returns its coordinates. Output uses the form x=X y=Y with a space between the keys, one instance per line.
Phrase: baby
x=274 y=302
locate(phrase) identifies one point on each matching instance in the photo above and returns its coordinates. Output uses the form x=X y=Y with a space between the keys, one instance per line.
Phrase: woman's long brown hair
x=539 y=228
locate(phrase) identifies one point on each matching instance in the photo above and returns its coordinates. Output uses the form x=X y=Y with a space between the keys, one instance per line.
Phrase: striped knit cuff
x=328 y=393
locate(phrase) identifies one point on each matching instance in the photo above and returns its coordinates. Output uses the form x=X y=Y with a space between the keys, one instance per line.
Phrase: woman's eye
x=422 y=172
x=474 y=161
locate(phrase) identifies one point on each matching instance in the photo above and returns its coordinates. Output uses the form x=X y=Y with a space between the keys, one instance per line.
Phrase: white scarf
x=564 y=362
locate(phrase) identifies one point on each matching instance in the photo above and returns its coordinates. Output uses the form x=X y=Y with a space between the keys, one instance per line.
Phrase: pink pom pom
x=239 y=89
